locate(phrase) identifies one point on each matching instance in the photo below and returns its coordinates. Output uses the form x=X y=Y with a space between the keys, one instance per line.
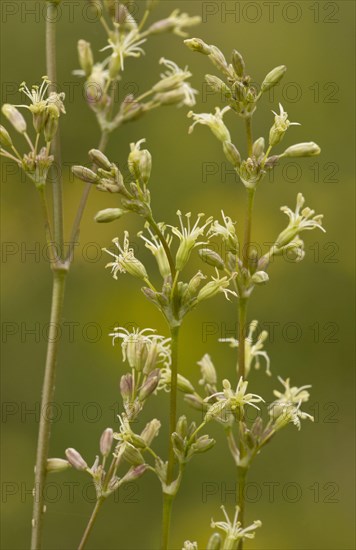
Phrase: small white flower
x=143 y=351
x=126 y=45
x=299 y=220
x=286 y=408
x=233 y=530
x=226 y=231
x=188 y=237
x=174 y=80
x=126 y=261
x=233 y=401
x=215 y=123
x=216 y=285
x=280 y=126
x=156 y=247
x=253 y=351
x=39 y=103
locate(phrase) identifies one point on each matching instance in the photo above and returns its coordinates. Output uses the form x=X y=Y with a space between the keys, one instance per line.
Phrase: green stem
x=248 y=122
x=173 y=401
x=241 y=476
x=242 y=336
x=91 y=523
x=51 y=18
x=169 y=498
x=59 y=277
x=47 y=225
x=166 y=519
x=248 y=226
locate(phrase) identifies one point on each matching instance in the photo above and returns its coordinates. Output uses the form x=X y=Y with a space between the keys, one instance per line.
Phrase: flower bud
x=218 y=58
x=211 y=258
x=238 y=63
x=184 y=385
x=51 y=123
x=182 y=426
x=15 y=117
x=106 y=441
x=134 y=473
x=100 y=159
x=260 y=277
x=194 y=283
x=232 y=154
x=5 y=139
x=76 y=459
x=86 y=60
x=140 y=162
x=207 y=370
x=195 y=401
x=150 y=385
x=126 y=386
x=57 y=464
x=273 y=78
x=109 y=215
x=309 y=149
x=85 y=174
x=203 y=444
x=132 y=455
x=258 y=147
x=198 y=45
x=217 y=85
x=150 y=431
x=214 y=542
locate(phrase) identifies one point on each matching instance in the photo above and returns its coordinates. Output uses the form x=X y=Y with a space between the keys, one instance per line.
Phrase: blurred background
x=302 y=486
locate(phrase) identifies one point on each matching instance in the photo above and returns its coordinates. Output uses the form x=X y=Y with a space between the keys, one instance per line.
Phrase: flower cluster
x=46 y=110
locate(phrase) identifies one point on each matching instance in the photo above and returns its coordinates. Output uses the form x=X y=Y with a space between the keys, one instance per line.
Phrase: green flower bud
x=182 y=426
x=140 y=162
x=51 y=124
x=15 y=117
x=217 y=85
x=273 y=78
x=5 y=138
x=207 y=370
x=86 y=60
x=109 y=215
x=260 y=277
x=76 y=459
x=211 y=258
x=198 y=45
x=132 y=455
x=238 y=63
x=150 y=431
x=232 y=154
x=258 y=147
x=85 y=174
x=57 y=465
x=100 y=159
x=214 y=542
x=203 y=444
x=218 y=58
x=309 y=149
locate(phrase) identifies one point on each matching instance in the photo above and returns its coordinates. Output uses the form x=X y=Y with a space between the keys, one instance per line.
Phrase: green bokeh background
x=316 y=296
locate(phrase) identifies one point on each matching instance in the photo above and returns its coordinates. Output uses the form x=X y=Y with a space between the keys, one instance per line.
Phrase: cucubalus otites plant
x=154 y=359
x=237 y=273
x=41 y=152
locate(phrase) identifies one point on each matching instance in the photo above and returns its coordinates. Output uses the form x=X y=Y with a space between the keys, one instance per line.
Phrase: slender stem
x=83 y=201
x=173 y=401
x=168 y=498
x=242 y=336
x=51 y=18
x=47 y=224
x=91 y=523
x=248 y=122
x=166 y=519
x=241 y=476
x=248 y=226
x=59 y=277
